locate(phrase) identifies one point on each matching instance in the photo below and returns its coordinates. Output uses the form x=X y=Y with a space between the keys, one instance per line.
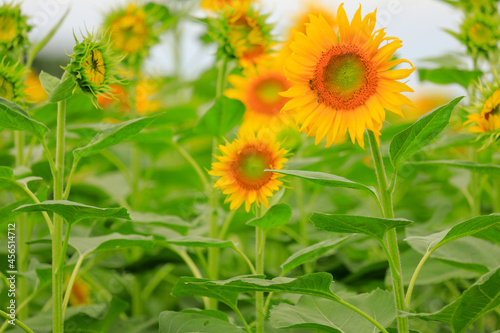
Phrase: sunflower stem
x=57 y=274
x=260 y=241
x=391 y=237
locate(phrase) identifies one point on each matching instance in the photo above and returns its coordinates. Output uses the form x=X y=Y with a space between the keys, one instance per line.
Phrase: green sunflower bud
x=93 y=66
x=11 y=80
x=13 y=27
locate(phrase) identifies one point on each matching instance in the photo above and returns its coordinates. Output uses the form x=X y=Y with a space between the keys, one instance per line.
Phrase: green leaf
x=327 y=179
x=276 y=216
x=492 y=169
x=374 y=227
x=222 y=117
x=180 y=322
x=88 y=245
x=49 y=82
x=315 y=284
x=310 y=253
x=63 y=90
x=167 y=221
x=328 y=316
x=420 y=133
x=112 y=136
x=482 y=297
x=197 y=241
x=73 y=212
x=449 y=75
x=463 y=229
x=13 y=117
x=6 y=174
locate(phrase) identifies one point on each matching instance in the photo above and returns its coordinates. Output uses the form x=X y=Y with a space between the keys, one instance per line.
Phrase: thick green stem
x=260 y=240
x=57 y=274
x=392 y=239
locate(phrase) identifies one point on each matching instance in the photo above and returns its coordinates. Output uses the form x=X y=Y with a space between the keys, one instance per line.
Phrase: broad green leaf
x=482 y=297
x=420 y=133
x=329 y=316
x=315 y=284
x=112 y=136
x=492 y=169
x=222 y=117
x=211 y=313
x=73 y=212
x=180 y=322
x=88 y=245
x=13 y=117
x=310 y=253
x=6 y=174
x=63 y=90
x=327 y=179
x=374 y=227
x=449 y=75
x=94 y=318
x=276 y=216
x=168 y=221
x=198 y=241
x=49 y=82
x=463 y=229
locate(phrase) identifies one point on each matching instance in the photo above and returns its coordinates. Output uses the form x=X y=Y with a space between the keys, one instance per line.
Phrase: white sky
x=419 y=24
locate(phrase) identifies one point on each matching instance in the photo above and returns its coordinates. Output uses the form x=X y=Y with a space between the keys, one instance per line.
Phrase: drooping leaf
x=168 y=221
x=449 y=75
x=327 y=179
x=276 y=216
x=222 y=117
x=482 y=297
x=73 y=212
x=315 y=284
x=179 y=322
x=420 y=133
x=492 y=169
x=13 y=117
x=49 y=82
x=112 y=136
x=374 y=227
x=309 y=253
x=63 y=90
x=329 y=316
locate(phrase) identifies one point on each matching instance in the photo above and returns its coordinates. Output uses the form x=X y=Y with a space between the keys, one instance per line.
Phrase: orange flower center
x=248 y=168
x=344 y=79
x=264 y=94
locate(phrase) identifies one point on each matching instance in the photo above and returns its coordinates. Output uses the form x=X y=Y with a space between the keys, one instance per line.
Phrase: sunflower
x=489 y=118
x=241 y=169
x=302 y=20
x=34 y=90
x=13 y=27
x=259 y=90
x=343 y=83
x=79 y=293
x=93 y=66
x=221 y=4
x=11 y=80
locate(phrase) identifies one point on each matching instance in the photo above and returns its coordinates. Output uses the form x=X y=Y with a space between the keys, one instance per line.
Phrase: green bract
x=11 y=80
x=13 y=27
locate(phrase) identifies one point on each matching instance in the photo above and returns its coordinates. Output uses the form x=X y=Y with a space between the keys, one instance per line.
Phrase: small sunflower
x=11 y=80
x=13 y=27
x=93 y=66
x=221 y=4
x=242 y=34
x=241 y=169
x=488 y=120
x=34 y=90
x=79 y=293
x=259 y=90
x=343 y=83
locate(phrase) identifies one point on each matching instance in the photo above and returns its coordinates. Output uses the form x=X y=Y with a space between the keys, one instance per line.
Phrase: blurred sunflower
x=312 y=7
x=11 y=80
x=93 y=66
x=13 y=27
x=34 y=91
x=241 y=169
x=425 y=101
x=221 y=4
x=79 y=293
x=259 y=89
x=344 y=83
x=488 y=120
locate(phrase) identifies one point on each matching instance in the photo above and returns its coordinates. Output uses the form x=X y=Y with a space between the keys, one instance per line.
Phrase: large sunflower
x=259 y=90
x=241 y=169
x=489 y=118
x=342 y=83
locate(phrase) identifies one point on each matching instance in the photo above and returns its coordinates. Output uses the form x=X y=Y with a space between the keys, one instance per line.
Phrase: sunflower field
x=302 y=181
